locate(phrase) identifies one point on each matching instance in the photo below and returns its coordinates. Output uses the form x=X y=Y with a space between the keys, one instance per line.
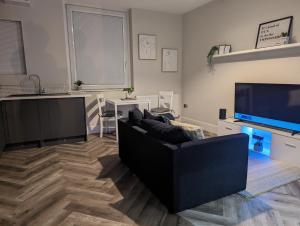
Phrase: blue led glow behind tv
x=276 y=105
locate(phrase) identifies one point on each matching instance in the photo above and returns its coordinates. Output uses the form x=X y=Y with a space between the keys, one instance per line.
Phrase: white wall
x=147 y=75
x=43 y=34
x=233 y=22
x=46 y=49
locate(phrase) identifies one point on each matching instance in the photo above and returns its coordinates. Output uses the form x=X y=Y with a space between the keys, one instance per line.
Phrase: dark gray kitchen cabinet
x=21 y=121
x=43 y=121
x=2 y=135
x=62 y=118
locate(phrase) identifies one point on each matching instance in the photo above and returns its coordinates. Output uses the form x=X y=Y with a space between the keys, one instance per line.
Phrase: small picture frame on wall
x=147 y=46
x=224 y=49
x=274 y=33
x=169 y=60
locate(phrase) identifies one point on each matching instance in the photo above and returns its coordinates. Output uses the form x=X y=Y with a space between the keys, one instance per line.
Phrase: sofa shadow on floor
x=136 y=202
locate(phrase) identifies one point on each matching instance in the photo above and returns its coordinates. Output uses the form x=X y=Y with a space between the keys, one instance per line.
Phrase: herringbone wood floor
x=86 y=184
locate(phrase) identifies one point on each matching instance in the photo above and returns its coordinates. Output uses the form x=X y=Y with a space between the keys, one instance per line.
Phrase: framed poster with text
x=274 y=33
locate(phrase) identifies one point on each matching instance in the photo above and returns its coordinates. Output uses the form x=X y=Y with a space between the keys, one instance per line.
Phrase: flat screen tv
x=276 y=105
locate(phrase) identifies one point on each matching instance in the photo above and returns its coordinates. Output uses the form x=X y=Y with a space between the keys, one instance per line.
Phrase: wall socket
x=185 y=106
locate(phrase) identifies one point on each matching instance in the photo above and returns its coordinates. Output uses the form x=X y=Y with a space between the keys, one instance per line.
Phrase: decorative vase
x=129 y=95
x=258 y=146
x=77 y=87
x=285 y=40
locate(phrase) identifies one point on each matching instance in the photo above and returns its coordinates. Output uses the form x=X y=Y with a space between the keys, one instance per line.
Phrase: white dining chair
x=105 y=115
x=165 y=103
x=153 y=99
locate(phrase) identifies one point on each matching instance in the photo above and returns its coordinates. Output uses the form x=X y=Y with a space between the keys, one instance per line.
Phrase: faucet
x=40 y=90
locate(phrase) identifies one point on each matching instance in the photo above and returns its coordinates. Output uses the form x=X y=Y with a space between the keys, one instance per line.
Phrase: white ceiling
x=170 y=6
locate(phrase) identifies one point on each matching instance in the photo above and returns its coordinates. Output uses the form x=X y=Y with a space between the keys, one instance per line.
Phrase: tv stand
x=284 y=145
x=295 y=133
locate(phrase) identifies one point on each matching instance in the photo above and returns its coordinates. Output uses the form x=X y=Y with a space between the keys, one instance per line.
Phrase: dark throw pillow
x=148 y=115
x=166 y=132
x=167 y=117
x=135 y=116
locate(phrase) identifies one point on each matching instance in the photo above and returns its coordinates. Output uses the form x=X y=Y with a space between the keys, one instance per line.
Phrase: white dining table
x=122 y=102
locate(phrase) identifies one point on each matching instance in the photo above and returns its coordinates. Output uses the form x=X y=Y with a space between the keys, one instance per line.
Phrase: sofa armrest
x=151 y=159
x=211 y=168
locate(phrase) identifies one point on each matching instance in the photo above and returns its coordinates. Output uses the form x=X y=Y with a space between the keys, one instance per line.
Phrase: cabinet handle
x=228 y=128
x=291 y=145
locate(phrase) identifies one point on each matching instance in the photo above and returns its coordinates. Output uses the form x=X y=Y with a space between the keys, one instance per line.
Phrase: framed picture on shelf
x=147 y=47
x=222 y=49
x=227 y=49
x=274 y=33
x=169 y=60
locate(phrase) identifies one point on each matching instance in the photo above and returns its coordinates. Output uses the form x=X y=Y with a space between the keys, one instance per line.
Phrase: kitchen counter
x=43 y=96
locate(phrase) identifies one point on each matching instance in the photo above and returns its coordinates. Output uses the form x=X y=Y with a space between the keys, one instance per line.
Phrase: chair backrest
x=165 y=99
x=153 y=99
x=101 y=103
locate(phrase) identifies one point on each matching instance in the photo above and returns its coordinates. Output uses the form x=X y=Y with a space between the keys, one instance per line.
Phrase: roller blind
x=98 y=42
x=12 y=59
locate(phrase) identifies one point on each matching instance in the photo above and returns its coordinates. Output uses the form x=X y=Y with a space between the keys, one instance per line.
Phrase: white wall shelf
x=286 y=49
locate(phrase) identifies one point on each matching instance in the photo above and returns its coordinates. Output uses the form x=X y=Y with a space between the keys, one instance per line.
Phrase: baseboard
x=205 y=125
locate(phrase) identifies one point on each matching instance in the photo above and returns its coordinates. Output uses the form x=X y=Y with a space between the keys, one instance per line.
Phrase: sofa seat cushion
x=169 y=133
x=195 y=132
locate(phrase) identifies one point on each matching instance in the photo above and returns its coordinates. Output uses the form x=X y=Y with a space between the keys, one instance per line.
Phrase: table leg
x=149 y=108
x=116 y=117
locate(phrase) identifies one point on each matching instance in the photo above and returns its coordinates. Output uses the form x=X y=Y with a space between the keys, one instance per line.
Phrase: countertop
x=44 y=96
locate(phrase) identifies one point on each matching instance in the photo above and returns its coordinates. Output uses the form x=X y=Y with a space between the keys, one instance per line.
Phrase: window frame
x=9 y=75
x=72 y=54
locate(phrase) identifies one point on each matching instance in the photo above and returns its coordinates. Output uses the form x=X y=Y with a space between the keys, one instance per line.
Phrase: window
x=12 y=58
x=98 y=45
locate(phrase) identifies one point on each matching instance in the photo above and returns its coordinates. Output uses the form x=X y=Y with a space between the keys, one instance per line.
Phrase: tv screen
x=276 y=105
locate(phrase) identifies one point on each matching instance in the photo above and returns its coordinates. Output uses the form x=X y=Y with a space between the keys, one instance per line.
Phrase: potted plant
x=212 y=52
x=77 y=84
x=129 y=92
x=285 y=38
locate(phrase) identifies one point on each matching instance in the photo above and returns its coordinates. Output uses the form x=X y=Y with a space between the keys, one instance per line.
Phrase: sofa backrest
x=169 y=133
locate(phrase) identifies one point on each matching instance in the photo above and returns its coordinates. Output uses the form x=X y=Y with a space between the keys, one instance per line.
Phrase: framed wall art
x=147 y=47
x=169 y=60
x=274 y=33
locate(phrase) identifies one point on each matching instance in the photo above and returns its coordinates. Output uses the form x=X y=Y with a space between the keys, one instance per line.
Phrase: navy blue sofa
x=185 y=175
